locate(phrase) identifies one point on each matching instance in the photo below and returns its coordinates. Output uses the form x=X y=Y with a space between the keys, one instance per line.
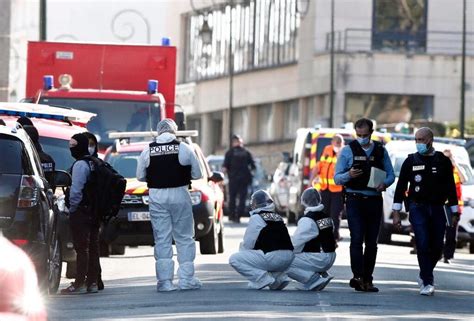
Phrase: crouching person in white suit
x=314 y=245
x=266 y=251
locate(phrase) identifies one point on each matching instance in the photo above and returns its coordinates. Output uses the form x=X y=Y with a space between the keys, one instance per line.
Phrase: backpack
x=107 y=189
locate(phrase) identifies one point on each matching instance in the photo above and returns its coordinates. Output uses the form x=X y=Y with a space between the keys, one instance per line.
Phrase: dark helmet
x=310 y=197
x=260 y=199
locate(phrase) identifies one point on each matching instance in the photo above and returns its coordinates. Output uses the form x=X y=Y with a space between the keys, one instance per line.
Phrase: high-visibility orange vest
x=327 y=169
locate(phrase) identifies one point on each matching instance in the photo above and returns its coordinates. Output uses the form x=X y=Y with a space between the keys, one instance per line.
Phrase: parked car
x=398 y=151
x=55 y=127
x=259 y=181
x=132 y=225
x=29 y=215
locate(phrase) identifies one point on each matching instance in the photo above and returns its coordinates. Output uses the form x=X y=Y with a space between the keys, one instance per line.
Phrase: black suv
x=28 y=213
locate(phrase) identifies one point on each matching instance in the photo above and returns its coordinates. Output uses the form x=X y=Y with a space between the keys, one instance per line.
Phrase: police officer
x=168 y=166
x=47 y=162
x=429 y=175
x=83 y=220
x=314 y=244
x=364 y=205
x=238 y=164
x=266 y=251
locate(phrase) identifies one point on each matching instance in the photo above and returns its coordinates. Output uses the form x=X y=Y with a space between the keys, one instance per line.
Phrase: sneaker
x=357 y=284
x=314 y=282
x=446 y=261
x=190 y=284
x=427 y=290
x=325 y=282
x=93 y=288
x=72 y=289
x=166 y=286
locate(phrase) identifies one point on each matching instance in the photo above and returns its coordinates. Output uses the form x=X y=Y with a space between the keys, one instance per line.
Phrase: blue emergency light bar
x=152 y=86
x=48 y=82
x=32 y=114
x=165 y=41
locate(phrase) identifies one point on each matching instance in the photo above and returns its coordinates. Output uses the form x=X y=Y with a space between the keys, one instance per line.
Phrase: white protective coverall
x=172 y=218
x=262 y=269
x=309 y=268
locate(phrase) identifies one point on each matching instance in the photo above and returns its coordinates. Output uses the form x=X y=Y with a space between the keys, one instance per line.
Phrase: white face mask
x=336 y=149
x=91 y=150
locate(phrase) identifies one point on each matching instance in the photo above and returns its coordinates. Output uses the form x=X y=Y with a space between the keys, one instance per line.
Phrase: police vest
x=426 y=173
x=274 y=236
x=325 y=240
x=361 y=161
x=164 y=170
x=327 y=165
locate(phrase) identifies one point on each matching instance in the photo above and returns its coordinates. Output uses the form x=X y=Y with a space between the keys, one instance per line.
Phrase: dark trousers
x=364 y=215
x=451 y=238
x=429 y=224
x=237 y=191
x=333 y=205
x=85 y=236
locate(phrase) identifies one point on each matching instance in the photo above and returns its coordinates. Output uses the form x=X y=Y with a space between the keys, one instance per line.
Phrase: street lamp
x=463 y=71
x=206 y=33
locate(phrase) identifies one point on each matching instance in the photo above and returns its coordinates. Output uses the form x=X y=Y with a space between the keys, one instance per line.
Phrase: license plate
x=138 y=216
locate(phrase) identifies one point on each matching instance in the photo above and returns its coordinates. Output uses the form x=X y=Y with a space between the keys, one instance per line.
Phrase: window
x=399 y=25
x=12 y=147
x=318 y=111
x=388 y=109
x=263 y=35
x=291 y=118
x=265 y=122
x=240 y=122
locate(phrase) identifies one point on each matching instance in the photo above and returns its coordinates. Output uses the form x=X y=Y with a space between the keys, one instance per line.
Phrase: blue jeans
x=429 y=224
x=364 y=215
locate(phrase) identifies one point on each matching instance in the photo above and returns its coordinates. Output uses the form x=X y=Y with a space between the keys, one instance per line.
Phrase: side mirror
x=217 y=177
x=180 y=120
x=62 y=179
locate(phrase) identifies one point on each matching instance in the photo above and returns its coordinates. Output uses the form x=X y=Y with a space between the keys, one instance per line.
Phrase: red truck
x=129 y=87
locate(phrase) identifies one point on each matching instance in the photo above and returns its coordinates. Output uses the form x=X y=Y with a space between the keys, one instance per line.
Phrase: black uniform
x=239 y=164
x=431 y=184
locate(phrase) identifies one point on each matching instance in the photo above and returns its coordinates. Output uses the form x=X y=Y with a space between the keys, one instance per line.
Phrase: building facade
x=394 y=61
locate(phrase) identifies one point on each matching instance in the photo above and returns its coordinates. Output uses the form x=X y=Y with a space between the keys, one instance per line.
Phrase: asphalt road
x=130 y=292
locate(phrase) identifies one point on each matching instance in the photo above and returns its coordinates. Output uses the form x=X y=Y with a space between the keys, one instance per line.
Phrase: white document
x=377 y=177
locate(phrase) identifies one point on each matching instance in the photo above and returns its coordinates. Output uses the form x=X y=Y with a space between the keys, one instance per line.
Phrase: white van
x=398 y=151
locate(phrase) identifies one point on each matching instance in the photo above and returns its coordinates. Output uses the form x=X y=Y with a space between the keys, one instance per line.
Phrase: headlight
x=132 y=199
x=195 y=197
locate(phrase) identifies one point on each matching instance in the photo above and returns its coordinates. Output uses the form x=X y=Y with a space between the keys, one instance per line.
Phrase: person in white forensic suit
x=168 y=166
x=314 y=244
x=266 y=251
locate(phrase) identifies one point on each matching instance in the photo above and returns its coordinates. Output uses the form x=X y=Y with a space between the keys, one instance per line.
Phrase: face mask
x=336 y=149
x=75 y=152
x=363 y=141
x=91 y=150
x=422 y=148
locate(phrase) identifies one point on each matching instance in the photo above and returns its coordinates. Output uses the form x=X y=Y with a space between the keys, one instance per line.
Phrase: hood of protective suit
x=82 y=147
x=167 y=125
x=268 y=208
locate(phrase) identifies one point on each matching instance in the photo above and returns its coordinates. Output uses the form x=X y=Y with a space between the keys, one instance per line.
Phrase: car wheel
x=221 y=239
x=385 y=236
x=209 y=243
x=71 y=269
x=54 y=264
x=117 y=249
x=471 y=247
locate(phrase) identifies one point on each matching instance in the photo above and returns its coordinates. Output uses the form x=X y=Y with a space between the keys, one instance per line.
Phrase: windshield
x=113 y=115
x=58 y=149
x=125 y=164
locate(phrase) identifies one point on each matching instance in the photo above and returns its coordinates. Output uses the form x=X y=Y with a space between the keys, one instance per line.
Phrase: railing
x=431 y=42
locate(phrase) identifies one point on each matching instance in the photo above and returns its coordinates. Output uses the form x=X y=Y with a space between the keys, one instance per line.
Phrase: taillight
x=19 y=242
x=28 y=196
